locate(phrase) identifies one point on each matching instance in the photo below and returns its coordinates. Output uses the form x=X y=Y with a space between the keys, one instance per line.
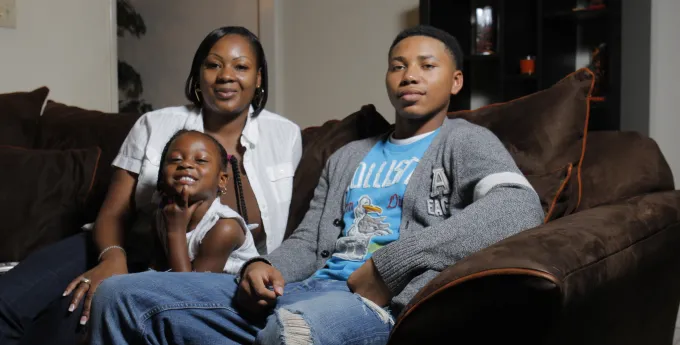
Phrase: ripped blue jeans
x=197 y=308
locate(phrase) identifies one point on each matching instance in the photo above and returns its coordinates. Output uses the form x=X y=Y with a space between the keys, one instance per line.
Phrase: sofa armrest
x=544 y=269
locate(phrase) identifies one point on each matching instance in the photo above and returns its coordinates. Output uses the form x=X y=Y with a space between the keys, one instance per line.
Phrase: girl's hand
x=178 y=214
x=86 y=283
x=253 y=294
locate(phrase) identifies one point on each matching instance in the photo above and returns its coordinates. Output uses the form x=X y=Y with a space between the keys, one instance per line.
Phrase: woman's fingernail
x=65 y=294
x=83 y=320
x=72 y=307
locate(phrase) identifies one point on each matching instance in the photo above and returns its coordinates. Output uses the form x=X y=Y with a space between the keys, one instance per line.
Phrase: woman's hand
x=113 y=265
x=177 y=213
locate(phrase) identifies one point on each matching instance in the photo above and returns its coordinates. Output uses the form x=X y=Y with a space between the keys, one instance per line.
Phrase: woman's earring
x=196 y=90
x=260 y=96
x=221 y=191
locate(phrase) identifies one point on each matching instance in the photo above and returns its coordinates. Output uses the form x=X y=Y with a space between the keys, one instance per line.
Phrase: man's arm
x=502 y=204
x=296 y=257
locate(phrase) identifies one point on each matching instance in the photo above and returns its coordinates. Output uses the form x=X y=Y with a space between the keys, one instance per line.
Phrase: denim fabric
x=197 y=308
x=32 y=309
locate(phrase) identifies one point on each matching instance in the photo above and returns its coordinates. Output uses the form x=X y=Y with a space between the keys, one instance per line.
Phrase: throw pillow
x=621 y=165
x=19 y=113
x=66 y=127
x=319 y=143
x=539 y=129
x=43 y=197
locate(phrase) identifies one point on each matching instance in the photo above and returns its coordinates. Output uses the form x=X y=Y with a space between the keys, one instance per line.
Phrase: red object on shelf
x=527 y=65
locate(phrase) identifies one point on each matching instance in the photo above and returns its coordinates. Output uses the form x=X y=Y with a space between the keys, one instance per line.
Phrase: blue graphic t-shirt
x=373 y=203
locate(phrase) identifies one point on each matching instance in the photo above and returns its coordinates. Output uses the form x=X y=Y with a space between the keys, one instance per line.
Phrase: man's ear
x=457 y=84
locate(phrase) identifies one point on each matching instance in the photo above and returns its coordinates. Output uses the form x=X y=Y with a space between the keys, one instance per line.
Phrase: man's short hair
x=449 y=41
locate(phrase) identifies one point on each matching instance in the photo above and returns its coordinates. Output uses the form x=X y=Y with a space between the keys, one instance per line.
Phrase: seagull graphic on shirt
x=354 y=246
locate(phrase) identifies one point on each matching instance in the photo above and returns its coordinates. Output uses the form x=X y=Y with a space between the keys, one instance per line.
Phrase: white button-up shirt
x=273 y=150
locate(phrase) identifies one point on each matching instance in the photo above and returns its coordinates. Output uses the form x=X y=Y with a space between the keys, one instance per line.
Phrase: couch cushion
x=554 y=190
x=19 y=113
x=621 y=165
x=538 y=129
x=43 y=196
x=310 y=134
x=67 y=127
x=321 y=142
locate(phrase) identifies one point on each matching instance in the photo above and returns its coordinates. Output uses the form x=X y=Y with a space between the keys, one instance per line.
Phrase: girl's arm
x=159 y=259
x=225 y=237
x=178 y=254
x=177 y=214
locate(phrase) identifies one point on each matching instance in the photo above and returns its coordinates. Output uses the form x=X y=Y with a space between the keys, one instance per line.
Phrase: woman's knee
x=110 y=286
x=119 y=293
x=125 y=285
x=110 y=290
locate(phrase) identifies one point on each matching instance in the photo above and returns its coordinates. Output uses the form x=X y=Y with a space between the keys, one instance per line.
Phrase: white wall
x=664 y=121
x=270 y=20
x=174 y=30
x=330 y=57
x=67 y=45
x=635 y=65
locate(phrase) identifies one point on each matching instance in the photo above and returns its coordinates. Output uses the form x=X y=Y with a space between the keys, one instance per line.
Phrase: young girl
x=195 y=231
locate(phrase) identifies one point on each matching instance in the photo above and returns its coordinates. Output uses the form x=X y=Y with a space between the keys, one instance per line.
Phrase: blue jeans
x=32 y=309
x=198 y=308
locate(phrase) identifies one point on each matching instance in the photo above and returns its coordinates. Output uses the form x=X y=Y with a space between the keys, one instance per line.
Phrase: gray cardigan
x=465 y=194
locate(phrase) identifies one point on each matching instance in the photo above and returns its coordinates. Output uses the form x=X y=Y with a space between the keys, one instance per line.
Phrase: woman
x=227 y=86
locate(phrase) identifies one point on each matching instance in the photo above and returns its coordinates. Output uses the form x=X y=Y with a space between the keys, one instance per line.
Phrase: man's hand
x=260 y=285
x=366 y=281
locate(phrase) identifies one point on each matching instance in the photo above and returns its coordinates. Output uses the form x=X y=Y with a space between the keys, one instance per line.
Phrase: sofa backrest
x=545 y=132
x=620 y=165
x=64 y=127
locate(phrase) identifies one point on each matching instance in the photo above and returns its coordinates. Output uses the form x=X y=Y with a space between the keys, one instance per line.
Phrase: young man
x=388 y=215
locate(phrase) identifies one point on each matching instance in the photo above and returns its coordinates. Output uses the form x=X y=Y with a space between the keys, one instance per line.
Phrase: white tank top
x=216 y=212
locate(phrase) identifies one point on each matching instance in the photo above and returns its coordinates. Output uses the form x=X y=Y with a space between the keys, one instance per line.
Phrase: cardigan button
x=339 y=223
x=325 y=254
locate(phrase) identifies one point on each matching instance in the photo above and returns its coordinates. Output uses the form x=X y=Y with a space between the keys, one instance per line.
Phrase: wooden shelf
x=598 y=105
x=521 y=77
x=490 y=57
x=576 y=15
x=551 y=30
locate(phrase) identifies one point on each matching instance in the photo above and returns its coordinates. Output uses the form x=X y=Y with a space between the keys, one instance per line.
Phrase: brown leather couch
x=606 y=275
x=602 y=270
